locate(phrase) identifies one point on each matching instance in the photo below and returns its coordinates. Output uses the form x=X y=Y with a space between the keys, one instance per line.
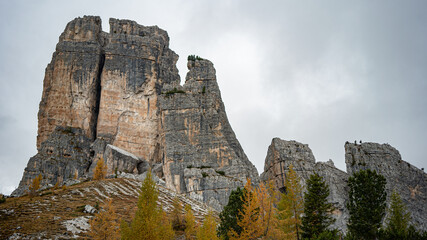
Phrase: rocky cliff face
x=121 y=91
x=202 y=156
x=281 y=154
x=409 y=181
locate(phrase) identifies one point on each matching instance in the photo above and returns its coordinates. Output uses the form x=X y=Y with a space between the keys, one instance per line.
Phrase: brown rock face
x=137 y=63
x=72 y=79
x=122 y=89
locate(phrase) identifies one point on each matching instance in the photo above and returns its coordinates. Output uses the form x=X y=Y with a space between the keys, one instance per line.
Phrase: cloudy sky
x=319 y=72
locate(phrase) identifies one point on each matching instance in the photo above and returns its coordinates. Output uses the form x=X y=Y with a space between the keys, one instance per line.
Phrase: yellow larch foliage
x=289 y=209
x=257 y=213
x=150 y=222
x=105 y=225
x=35 y=185
x=190 y=223
x=250 y=222
x=208 y=230
x=100 y=170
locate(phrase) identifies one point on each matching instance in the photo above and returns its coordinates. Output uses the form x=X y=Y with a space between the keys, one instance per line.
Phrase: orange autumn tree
x=190 y=223
x=290 y=208
x=105 y=225
x=257 y=212
x=100 y=170
x=35 y=185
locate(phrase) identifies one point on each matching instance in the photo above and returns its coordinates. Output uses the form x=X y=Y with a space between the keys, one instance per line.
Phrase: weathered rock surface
x=409 y=181
x=64 y=155
x=202 y=156
x=119 y=160
x=122 y=90
x=281 y=154
x=70 y=96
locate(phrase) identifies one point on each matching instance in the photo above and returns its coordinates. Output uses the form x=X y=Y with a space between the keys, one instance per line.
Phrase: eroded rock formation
x=122 y=90
x=281 y=154
x=409 y=181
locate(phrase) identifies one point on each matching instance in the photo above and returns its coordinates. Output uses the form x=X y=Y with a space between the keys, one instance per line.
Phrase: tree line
x=264 y=213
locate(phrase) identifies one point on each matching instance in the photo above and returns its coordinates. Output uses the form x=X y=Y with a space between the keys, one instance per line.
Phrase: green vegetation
x=172 y=92
x=204 y=90
x=366 y=204
x=231 y=214
x=317 y=211
x=204 y=174
x=222 y=173
x=194 y=58
x=2 y=198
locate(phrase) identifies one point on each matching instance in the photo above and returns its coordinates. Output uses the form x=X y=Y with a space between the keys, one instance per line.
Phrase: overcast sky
x=318 y=72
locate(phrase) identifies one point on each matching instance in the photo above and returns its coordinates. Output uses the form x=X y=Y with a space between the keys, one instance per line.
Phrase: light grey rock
x=281 y=154
x=119 y=160
x=409 y=181
x=89 y=209
x=201 y=154
x=64 y=157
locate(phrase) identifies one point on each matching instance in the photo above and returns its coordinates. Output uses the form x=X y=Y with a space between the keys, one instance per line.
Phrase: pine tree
x=317 y=211
x=150 y=222
x=290 y=208
x=105 y=225
x=398 y=219
x=366 y=204
x=190 y=223
x=35 y=185
x=100 y=170
x=208 y=230
x=231 y=214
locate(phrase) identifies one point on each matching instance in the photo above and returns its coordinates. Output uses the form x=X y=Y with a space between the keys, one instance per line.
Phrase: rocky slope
x=65 y=213
x=409 y=181
x=119 y=93
x=281 y=154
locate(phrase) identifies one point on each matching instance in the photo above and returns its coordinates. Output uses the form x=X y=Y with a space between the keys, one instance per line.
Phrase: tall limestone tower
x=117 y=96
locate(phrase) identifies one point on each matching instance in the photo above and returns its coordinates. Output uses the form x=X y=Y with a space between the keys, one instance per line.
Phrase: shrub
x=222 y=173
x=171 y=92
x=2 y=198
x=204 y=174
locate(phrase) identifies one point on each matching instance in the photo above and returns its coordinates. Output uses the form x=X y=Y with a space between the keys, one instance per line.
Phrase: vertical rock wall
x=202 y=156
x=136 y=61
x=281 y=154
x=409 y=181
x=71 y=80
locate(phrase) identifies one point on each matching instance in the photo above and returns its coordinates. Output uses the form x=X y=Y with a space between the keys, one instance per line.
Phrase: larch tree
x=398 y=218
x=290 y=208
x=150 y=222
x=190 y=223
x=100 y=170
x=105 y=225
x=176 y=215
x=208 y=229
x=35 y=185
x=366 y=204
x=317 y=210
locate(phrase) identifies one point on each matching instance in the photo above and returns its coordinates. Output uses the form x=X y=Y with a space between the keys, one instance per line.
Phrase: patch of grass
x=205 y=167
x=222 y=173
x=204 y=174
x=171 y=92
